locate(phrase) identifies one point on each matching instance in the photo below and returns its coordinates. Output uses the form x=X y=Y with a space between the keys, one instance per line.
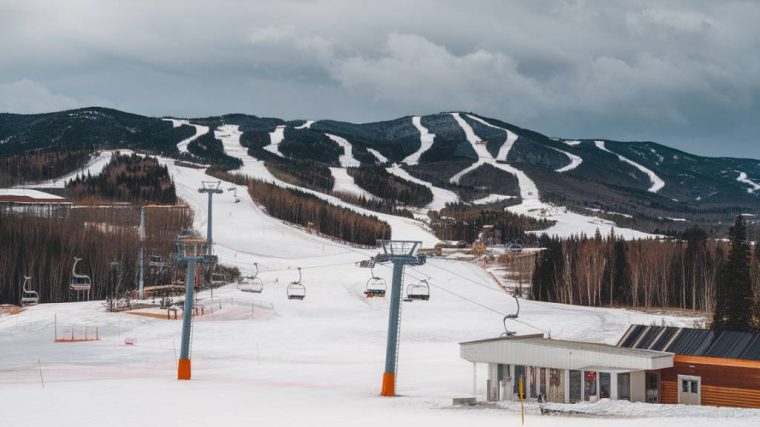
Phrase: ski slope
x=378 y=156
x=199 y=131
x=575 y=161
x=744 y=179
x=346 y=159
x=344 y=183
x=94 y=167
x=426 y=141
x=254 y=168
x=506 y=146
x=657 y=182
x=275 y=138
x=441 y=196
x=306 y=125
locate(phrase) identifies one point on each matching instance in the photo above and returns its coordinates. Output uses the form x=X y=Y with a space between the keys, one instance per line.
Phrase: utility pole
x=141 y=256
x=210 y=188
x=400 y=253
x=192 y=251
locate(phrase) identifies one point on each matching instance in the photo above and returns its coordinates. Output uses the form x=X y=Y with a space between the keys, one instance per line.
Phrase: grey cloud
x=683 y=73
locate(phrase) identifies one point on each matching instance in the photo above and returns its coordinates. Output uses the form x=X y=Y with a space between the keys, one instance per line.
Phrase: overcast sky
x=686 y=73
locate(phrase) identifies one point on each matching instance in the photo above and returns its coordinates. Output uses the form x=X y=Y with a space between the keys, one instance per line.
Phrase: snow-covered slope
x=344 y=183
x=199 y=131
x=275 y=138
x=94 y=166
x=657 y=182
x=505 y=148
x=441 y=196
x=346 y=159
x=744 y=179
x=378 y=156
x=426 y=141
x=306 y=125
x=575 y=161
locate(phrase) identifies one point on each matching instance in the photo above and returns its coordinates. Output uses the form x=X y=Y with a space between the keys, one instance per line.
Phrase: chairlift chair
x=218 y=279
x=418 y=291
x=516 y=247
x=253 y=284
x=29 y=297
x=507 y=332
x=157 y=261
x=80 y=283
x=296 y=290
x=376 y=286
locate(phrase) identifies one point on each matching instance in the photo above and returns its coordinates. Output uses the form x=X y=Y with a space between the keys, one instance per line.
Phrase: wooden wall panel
x=722 y=384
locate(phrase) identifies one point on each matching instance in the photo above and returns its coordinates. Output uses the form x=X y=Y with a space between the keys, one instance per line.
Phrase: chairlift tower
x=141 y=256
x=210 y=188
x=400 y=253
x=192 y=250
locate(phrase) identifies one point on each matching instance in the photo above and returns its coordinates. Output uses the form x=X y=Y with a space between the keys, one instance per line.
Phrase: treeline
x=35 y=167
x=307 y=210
x=465 y=222
x=303 y=173
x=126 y=178
x=609 y=271
x=211 y=150
x=377 y=205
x=376 y=180
x=44 y=248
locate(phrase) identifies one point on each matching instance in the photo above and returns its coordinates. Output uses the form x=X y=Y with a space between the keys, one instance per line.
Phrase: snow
x=573 y=143
x=275 y=138
x=306 y=125
x=378 y=156
x=441 y=196
x=744 y=179
x=575 y=161
x=413 y=229
x=262 y=358
x=657 y=182
x=508 y=143
x=492 y=198
x=426 y=141
x=199 y=131
x=344 y=183
x=347 y=159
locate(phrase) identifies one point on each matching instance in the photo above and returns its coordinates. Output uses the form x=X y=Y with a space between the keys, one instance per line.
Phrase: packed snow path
x=199 y=131
x=347 y=159
x=505 y=147
x=575 y=161
x=426 y=141
x=744 y=179
x=378 y=156
x=344 y=183
x=94 y=167
x=441 y=196
x=275 y=138
x=401 y=228
x=306 y=125
x=657 y=183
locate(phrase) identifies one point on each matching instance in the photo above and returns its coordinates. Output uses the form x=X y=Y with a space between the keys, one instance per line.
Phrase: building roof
x=25 y=195
x=535 y=350
x=694 y=342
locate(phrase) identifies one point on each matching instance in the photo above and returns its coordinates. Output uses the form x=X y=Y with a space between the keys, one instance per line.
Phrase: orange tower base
x=183 y=372
x=389 y=385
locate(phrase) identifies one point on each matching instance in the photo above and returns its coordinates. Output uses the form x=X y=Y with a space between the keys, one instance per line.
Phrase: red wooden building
x=719 y=368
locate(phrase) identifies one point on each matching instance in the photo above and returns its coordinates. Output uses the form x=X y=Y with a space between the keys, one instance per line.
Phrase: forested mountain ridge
x=642 y=185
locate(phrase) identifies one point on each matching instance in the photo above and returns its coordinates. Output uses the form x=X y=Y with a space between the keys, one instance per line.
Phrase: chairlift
x=80 y=283
x=507 y=332
x=253 y=284
x=157 y=261
x=185 y=233
x=516 y=247
x=29 y=297
x=218 y=279
x=296 y=290
x=376 y=286
x=418 y=291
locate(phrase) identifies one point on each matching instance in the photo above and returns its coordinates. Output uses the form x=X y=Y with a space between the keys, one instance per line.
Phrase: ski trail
x=573 y=143
x=344 y=183
x=401 y=228
x=458 y=176
x=306 y=125
x=477 y=144
x=744 y=179
x=441 y=196
x=347 y=159
x=199 y=131
x=491 y=198
x=575 y=161
x=426 y=141
x=506 y=147
x=378 y=156
x=275 y=138
x=657 y=182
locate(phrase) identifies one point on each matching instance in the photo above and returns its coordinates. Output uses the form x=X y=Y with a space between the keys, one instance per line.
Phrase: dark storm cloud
x=683 y=73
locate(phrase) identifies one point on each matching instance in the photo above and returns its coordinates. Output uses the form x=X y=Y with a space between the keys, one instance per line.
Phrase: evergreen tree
x=734 y=302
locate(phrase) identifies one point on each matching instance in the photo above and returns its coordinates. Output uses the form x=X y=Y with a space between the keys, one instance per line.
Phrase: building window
x=576 y=380
x=604 y=385
x=533 y=382
x=519 y=373
x=652 y=387
x=685 y=386
x=624 y=386
x=694 y=386
x=589 y=385
x=543 y=382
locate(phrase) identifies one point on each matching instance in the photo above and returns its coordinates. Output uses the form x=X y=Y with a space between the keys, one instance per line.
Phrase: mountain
x=642 y=185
